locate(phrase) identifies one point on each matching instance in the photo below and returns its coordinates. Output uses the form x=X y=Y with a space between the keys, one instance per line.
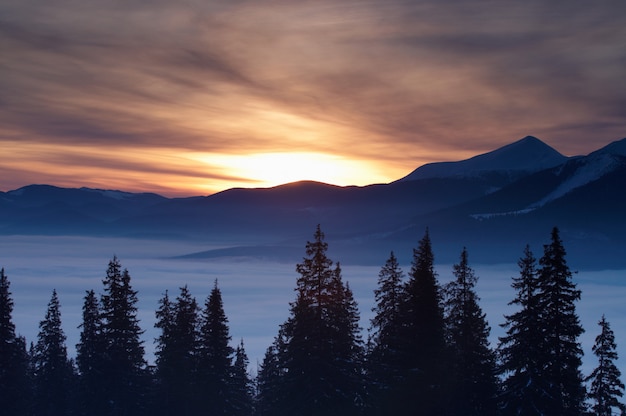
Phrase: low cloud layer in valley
x=256 y=293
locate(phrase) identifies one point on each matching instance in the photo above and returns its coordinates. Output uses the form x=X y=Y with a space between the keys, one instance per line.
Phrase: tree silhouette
x=519 y=350
x=424 y=347
x=177 y=354
x=124 y=374
x=14 y=368
x=320 y=345
x=90 y=358
x=241 y=390
x=214 y=355
x=606 y=386
x=54 y=373
x=474 y=385
x=560 y=328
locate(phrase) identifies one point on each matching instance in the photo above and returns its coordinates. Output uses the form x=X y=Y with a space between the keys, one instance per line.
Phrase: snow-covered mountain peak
x=526 y=155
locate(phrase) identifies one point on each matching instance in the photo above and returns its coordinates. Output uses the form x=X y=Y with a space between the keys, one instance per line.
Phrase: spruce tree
x=214 y=356
x=322 y=348
x=163 y=400
x=384 y=343
x=241 y=389
x=124 y=374
x=519 y=350
x=474 y=385
x=90 y=359
x=53 y=371
x=606 y=386
x=177 y=354
x=560 y=328
x=423 y=333
x=270 y=379
x=14 y=360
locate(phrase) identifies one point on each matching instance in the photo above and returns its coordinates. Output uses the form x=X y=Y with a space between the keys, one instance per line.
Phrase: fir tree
x=14 y=367
x=214 y=355
x=560 y=328
x=241 y=390
x=177 y=353
x=90 y=358
x=606 y=386
x=124 y=373
x=53 y=371
x=322 y=349
x=519 y=350
x=474 y=384
x=270 y=379
x=385 y=325
x=423 y=335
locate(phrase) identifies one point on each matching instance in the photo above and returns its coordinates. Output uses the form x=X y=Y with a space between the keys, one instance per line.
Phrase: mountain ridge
x=524 y=156
x=494 y=213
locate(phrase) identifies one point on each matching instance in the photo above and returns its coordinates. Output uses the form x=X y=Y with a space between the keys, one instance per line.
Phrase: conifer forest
x=426 y=350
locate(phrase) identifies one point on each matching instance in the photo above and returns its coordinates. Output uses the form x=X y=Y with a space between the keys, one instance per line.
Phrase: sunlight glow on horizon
x=277 y=168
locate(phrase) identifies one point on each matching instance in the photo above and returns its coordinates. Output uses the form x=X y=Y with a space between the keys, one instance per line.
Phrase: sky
x=193 y=97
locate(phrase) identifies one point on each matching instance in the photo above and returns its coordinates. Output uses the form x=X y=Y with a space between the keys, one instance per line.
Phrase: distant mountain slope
x=45 y=209
x=493 y=203
x=507 y=163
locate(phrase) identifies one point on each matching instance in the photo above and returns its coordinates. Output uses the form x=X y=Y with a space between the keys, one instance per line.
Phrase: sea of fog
x=256 y=292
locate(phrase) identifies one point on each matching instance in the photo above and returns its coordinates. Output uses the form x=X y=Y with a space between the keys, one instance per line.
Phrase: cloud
x=398 y=82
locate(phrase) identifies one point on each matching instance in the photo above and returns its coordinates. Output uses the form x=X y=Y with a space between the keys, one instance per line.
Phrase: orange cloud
x=137 y=95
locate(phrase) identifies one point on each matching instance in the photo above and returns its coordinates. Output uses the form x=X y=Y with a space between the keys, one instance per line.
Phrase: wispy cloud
x=392 y=83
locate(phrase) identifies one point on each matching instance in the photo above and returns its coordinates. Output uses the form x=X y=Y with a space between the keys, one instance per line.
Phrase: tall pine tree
x=474 y=384
x=90 y=359
x=214 y=356
x=519 y=349
x=177 y=354
x=384 y=343
x=241 y=389
x=606 y=386
x=14 y=368
x=321 y=349
x=53 y=371
x=124 y=374
x=424 y=346
x=560 y=328
x=271 y=388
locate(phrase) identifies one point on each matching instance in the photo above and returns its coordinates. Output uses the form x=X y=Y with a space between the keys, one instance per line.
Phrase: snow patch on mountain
x=589 y=169
x=594 y=168
x=489 y=216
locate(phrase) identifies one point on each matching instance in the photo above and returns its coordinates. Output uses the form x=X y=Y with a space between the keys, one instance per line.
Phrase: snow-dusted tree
x=54 y=373
x=606 y=386
x=474 y=383
x=561 y=353
x=519 y=350
x=14 y=368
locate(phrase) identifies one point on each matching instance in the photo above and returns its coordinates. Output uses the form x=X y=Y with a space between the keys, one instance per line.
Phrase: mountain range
x=493 y=204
